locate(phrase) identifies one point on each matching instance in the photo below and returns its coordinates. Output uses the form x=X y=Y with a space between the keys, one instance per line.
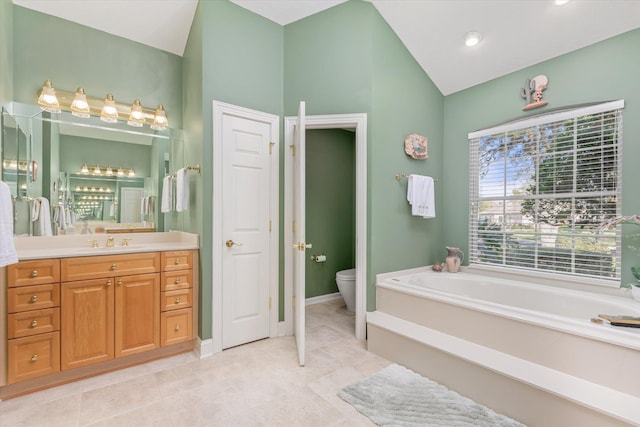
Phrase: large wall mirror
x=96 y=177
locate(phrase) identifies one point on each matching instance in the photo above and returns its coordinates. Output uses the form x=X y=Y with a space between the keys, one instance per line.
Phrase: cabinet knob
x=119 y=281
x=34 y=273
x=177 y=327
x=113 y=266
x=34 y=298
x=34 y=323
x=34 y=357
x=177 y=300
x=177 y=260
x=177 y=280
x=109 y=282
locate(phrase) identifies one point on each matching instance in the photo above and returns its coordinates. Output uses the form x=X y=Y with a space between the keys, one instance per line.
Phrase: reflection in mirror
x=98 y=177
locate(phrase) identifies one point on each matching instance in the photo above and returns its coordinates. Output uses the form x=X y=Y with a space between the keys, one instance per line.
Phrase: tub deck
x=515 y=366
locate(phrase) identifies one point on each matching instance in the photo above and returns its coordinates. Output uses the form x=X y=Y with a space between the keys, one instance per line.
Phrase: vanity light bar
x=54 y=101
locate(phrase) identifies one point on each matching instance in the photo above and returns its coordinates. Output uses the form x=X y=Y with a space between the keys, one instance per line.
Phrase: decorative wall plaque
x=416 y=146
x=532 y=92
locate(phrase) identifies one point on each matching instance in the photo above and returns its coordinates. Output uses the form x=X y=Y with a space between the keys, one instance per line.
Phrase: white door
x=130 y=204
x=245 y=230
x=299 y=244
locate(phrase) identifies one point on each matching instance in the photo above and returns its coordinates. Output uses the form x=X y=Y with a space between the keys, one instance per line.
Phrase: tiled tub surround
x=141 y=295
x=540 y=368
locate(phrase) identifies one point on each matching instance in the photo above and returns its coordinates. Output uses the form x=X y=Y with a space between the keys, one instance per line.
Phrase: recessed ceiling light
x=472 y=38
x=560 y=2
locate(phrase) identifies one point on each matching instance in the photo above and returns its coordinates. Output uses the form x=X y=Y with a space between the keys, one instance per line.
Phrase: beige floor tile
x=256 y=384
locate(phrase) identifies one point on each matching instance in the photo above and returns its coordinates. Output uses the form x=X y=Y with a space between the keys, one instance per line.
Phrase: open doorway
x=356 y=123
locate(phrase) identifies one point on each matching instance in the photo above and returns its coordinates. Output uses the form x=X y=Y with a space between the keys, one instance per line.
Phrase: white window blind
x=540 y=187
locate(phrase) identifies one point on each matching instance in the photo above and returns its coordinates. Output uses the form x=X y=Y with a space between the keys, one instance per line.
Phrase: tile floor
x=257 y=384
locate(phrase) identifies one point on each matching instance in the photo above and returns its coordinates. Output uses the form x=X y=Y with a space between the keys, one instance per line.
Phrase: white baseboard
x=204 y=348
x=322 y=298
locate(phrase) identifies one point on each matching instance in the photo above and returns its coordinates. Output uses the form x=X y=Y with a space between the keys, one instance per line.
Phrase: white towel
x=167 y=194
x=41 y=217
x=60 y=217
x=182 y=190
x=421 y=196
x=7 y=248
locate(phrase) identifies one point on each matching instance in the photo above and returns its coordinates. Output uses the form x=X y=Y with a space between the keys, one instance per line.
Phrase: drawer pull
x=177 y=260
x=34 y=323
x=113 y=267
x=34 y=358
x=177 y=300
x=177 y=280
x=34 y=298
x=177 y=327
x=119 y=281
x=109 y=282
x=34 y=273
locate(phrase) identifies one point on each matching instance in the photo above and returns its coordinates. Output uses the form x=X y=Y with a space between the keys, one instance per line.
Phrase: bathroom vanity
x=75 y=307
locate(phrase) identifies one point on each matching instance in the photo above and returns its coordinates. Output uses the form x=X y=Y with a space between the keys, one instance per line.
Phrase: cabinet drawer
x=173 y=300
x=176 y=326
x=96 y=267
x=33 y=297
x=37 y=272
x=173 y=280
x=32 y=357
x=33 y=322
x=177 y=260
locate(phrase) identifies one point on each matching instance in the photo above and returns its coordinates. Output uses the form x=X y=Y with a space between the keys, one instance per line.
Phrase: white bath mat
x=397 y=396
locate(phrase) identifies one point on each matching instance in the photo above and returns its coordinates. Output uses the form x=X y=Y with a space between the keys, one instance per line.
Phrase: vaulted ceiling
x=516 y=33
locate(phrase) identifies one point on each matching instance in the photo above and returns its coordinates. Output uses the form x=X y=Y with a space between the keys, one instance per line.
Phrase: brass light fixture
x=97 y=170
x=109 y=112
x=48 y=100
x=84 y=169
x=136 y=118
x=159 y=119
x=132 y=173
x=80 y=106
x=109 y=171
x=120 y=172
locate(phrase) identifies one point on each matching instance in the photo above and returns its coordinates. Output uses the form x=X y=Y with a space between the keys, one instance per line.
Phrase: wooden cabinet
x=87 y=322
x=137 y=318
x=111 y=316
x=33 y=319
x=90 y=311
x=176 y=323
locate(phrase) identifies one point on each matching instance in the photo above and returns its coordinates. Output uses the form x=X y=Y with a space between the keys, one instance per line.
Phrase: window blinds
x=540 y=187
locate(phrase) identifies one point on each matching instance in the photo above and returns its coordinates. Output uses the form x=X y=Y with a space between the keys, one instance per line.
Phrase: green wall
x=330 y=207
x=76 y=151
x=72 y=55
x=601 y=72
x=348 y=60
x=6 y=53
x=232 y=56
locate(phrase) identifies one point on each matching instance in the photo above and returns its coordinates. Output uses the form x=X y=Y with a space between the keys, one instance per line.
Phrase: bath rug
x=397 y=396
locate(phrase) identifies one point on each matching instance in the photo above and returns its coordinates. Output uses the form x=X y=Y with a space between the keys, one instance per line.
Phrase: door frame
x=221 y=109
x=357 y=122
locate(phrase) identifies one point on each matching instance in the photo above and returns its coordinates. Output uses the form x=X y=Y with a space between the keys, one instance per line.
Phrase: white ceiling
x=516 y=33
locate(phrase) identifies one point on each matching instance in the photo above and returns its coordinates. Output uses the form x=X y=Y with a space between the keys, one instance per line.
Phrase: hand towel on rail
x=182 y=190
x=41 y=217
x=7 y=249
x=421 y=196
x=167 y=194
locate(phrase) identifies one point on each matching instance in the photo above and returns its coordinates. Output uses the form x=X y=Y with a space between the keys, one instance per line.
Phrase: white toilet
x=346 y=280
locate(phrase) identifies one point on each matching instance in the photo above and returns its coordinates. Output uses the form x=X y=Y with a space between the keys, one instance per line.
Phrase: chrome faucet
x=111 y=241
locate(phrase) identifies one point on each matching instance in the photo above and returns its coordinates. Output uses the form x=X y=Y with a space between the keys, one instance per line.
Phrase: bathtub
x=528 y=340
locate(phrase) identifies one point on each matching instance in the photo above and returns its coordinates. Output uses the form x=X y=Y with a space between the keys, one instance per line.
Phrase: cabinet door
x=137 y=316
x=86 y=322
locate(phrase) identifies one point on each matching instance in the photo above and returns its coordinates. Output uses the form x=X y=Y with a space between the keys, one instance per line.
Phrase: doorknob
x=230 y=243
x=302 y=246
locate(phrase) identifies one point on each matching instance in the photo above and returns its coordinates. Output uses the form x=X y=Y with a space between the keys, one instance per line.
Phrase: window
x=540 y=187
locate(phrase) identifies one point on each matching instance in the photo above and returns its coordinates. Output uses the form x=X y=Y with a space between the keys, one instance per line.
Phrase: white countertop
x=38 y=247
